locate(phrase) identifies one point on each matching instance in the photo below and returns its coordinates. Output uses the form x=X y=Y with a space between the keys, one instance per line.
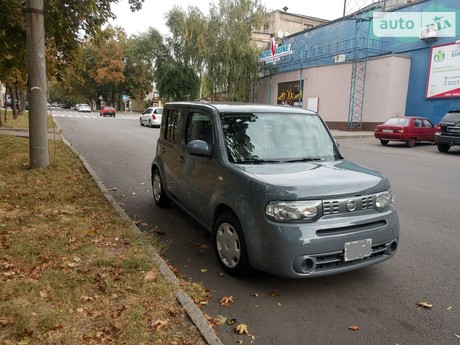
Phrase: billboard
x=444 y=72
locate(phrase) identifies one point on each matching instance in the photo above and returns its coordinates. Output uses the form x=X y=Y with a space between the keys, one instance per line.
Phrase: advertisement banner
x=444 y=72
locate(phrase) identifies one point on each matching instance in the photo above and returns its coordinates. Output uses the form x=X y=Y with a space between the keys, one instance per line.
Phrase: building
x=282 y=23
x=357 y=77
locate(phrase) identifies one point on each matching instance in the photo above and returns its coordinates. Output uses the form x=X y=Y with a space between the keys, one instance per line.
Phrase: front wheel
x=410 y=142
x=384 y=142
x=442 y=147
x=141 y=122
x=230 y=245
x=159 y=195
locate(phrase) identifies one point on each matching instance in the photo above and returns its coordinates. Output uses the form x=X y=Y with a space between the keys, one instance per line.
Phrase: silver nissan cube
x=271 y=186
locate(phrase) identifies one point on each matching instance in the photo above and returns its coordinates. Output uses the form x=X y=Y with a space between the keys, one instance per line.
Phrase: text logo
x=414 y=24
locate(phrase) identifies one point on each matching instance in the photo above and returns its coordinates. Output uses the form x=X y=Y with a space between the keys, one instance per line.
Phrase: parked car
x=107 y=110
x=292 y=207
x=76 y=106
x=408 y=129
x=66 y=105
x=151 y=117
x=448 y=131
x=84 y=108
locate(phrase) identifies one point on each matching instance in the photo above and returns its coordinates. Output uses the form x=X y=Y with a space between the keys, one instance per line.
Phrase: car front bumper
x=318 y=249
x=446 y=139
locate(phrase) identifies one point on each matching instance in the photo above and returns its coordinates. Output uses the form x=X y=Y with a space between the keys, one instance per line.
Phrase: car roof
x=234 y=107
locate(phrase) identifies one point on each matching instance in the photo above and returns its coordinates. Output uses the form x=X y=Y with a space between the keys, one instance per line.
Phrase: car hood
x=317 y=179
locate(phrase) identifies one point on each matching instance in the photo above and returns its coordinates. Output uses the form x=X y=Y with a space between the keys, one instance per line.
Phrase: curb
x=194 y=313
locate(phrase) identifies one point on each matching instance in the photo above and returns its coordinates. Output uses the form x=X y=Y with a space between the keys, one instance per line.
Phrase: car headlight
x=292 y=211
x=383 y=201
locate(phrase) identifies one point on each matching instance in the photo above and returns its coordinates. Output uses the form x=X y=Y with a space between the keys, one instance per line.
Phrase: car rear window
x=451 y=116
x=397 y=121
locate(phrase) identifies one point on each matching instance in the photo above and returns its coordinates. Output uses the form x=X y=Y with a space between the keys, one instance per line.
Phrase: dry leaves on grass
x=353 y=328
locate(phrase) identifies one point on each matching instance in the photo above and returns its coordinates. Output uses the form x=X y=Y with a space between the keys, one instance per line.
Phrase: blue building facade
x=345 y=38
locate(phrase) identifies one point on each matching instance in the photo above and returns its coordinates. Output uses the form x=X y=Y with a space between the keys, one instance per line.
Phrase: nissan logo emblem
x=351 y=205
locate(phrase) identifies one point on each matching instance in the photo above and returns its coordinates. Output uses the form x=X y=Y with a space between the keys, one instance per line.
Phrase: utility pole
x=36 y=68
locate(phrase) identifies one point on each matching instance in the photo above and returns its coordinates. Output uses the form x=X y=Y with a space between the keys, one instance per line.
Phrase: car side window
x=417 y=123
x=427 y=124
x=199 y=127
x=171 y=125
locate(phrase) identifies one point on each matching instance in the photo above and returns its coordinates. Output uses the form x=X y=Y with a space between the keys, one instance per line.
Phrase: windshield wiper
x=257 y=161
x=303 y=160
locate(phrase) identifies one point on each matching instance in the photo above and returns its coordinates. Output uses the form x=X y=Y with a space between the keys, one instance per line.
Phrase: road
x=379 y=300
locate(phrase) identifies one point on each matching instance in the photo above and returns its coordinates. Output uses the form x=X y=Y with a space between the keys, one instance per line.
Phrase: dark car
x=448 y=131
x=271 y=186
x=107 y=110
x=408 y=129
x=66 y=105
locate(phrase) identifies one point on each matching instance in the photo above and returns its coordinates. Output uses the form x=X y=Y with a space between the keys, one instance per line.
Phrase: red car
x=408 y=129
x=107 y=110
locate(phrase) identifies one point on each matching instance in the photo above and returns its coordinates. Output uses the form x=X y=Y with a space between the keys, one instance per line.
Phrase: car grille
x=334 y=260
x=345 y=205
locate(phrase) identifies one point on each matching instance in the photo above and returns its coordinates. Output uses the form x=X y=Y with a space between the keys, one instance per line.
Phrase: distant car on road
x=66 y=105
x=107 y=110
x=408 y=129
x=448 y=131
x=151 y=117
x=84 y=108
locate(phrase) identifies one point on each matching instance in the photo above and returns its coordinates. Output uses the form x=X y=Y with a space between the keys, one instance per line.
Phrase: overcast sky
x=153 y=12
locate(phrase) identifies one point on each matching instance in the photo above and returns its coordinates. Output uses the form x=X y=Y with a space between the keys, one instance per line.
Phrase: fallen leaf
x=43 y=294
x=275 y=293
x=231 y=321
x=353 y=328
x=241 y=329
x=226 y=301
x=158 y=324
x=204 y=270
x=458 y=336
x=220 y=320
x=221 y=274
x=150 y=276
x=424 y=304
x=256 y=295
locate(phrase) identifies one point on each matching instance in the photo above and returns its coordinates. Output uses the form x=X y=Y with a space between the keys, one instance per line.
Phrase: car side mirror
x=199 y=148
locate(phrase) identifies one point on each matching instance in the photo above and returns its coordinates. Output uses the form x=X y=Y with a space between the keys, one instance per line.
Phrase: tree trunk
x=36 y=68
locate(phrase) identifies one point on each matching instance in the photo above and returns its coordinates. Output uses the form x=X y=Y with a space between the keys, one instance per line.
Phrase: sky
x=153 y=12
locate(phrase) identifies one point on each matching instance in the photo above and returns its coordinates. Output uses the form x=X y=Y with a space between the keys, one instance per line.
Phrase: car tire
x=410 y=142
x=150 y=123
x=443 y=147
x=159 y=195
x=140 y=120
x=384 y=142
x=230 y=246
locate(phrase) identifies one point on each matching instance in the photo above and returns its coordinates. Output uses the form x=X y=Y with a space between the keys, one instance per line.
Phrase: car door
x=197 y=173
x=429 y=130
x=170 y=151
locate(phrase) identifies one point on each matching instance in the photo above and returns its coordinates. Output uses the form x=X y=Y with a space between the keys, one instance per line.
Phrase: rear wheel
x=411 y=142
x=384 y=142
x=230 y=245
x=442 y=147
x=159 y=195
x=150 y=123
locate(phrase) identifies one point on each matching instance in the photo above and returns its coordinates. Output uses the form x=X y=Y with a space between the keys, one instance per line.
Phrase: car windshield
x=451 y=116
x=259 y=138
x=397 y=121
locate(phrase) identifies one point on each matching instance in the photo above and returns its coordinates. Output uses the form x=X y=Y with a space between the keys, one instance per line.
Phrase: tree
x=232 y=61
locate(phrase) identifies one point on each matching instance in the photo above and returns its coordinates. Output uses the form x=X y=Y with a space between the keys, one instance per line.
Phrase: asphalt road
x=381 y=300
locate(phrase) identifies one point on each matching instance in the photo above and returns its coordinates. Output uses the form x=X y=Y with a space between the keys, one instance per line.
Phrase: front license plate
x=358 y=249
x=387 y=130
